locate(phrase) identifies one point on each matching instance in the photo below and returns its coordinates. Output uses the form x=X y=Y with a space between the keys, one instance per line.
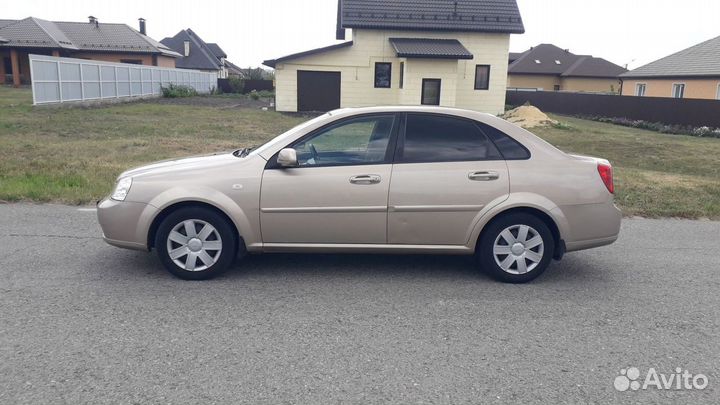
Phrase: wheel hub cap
x=518 y=249
x=194 y=245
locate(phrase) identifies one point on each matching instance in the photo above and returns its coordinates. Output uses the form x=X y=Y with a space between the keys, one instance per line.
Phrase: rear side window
x=435 y=138
x=509 y=147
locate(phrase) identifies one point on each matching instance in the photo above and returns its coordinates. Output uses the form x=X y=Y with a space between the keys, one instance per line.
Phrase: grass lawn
x=72 y=155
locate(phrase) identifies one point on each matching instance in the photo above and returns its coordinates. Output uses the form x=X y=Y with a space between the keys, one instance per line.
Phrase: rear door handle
x=366 y=179
x=483 y=176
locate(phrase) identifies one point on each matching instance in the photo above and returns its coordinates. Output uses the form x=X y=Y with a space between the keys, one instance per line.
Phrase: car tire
x=516 y=248
x=196 y=243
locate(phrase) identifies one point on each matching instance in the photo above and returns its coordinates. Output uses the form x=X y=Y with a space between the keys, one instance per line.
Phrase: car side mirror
x=287 y=158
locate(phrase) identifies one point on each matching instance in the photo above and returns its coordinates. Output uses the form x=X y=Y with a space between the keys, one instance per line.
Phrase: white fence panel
x=59 y=80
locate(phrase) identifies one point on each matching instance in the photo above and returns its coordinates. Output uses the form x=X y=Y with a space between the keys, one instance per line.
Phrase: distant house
x=551 y=68
x=690 y=73
x=197 y=54
x=405 y=52
x=90 y=40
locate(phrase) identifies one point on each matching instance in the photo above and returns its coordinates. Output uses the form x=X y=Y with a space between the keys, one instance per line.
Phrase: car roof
x=476 y=115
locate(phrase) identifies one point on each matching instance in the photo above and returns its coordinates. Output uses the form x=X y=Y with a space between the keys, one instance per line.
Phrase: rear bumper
x=591 y=225
x=125 y=224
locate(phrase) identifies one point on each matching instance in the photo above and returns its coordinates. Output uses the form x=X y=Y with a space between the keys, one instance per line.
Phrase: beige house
x=690 y=73
x=406 y=52
x=547 y=67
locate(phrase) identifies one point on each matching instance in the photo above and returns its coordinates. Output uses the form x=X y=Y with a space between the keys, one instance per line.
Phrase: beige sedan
x=371 y=180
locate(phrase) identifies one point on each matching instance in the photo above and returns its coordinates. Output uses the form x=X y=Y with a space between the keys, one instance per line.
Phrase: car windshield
x=282 y=138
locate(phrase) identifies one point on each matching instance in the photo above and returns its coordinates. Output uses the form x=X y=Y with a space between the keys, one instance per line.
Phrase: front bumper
x=125 y=224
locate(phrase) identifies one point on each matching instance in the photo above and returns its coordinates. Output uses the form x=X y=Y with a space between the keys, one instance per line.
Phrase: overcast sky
x=631 y=32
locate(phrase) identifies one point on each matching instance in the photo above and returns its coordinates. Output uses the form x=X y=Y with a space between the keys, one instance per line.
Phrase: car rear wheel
x=516 y=248
x=196 y=243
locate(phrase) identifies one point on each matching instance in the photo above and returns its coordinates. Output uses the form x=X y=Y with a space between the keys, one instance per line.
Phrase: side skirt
x=363 y=248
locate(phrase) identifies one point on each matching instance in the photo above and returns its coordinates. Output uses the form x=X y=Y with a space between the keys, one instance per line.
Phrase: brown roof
x=548 y=59
x=34 y=32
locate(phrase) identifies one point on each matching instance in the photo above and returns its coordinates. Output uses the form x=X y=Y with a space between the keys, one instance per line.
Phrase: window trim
x=400 y=144
x=684 y=87
x=272 y=163
x=489 y=69
x=422 y=91
x=375 y=81
x=637 y=87
x=402 y=75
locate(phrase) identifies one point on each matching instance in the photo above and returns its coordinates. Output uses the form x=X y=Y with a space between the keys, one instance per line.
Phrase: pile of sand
x=528 y=116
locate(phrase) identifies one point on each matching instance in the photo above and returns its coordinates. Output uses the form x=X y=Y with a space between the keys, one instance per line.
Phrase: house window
x=431 y=91
x=556 y=87
x=482 y=77
x=402 y=74
x=678 y=90
x=718 y=92
x=383 y=75
x=640 y=89
x=8 y=65
x=131 y=61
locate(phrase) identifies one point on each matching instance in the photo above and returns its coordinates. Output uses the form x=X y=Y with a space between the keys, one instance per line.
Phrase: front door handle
x=483 y=176
x=366 y=179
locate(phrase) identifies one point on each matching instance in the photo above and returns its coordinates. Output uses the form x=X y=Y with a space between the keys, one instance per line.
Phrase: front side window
x=357 y=141
x=678 y=90
x=482 y=77
x=383 y=75
x=435 y=138
x=640 y=89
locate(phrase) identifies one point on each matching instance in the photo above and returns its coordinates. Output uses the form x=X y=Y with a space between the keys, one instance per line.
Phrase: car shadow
x=574 y=269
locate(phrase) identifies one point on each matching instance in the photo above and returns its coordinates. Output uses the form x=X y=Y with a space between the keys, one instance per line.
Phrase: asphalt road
x=82 y=322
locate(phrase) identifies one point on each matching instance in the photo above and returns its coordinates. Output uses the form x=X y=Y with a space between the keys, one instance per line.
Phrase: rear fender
x=520 y=200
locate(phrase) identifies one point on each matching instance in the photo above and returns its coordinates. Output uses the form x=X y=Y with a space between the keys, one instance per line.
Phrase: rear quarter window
x=508 y=147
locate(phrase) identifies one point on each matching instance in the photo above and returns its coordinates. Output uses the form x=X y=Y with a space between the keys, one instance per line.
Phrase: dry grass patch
x=73 y=155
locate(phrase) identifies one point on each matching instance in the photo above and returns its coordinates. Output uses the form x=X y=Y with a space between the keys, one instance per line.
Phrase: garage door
x=318 y=91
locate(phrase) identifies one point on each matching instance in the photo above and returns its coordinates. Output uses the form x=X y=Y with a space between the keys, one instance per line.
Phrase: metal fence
x=691 y=112
x=59 y=80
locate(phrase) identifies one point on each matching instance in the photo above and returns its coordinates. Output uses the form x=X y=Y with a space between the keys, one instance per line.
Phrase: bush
x=177 y=91
x=254 y=95
x=266 y=94
x=237 y=85
x=658 y=126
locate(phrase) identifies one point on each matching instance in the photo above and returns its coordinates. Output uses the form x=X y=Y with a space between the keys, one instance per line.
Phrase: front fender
x=209 y=196
x=519 y=200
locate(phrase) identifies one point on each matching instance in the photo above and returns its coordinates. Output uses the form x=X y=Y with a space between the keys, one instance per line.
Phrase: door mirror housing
x=287 y=158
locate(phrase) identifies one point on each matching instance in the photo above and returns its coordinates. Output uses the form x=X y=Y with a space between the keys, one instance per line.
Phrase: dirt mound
x=528 y=116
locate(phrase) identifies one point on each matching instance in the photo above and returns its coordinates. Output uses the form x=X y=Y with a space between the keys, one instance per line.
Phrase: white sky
x=631 y=32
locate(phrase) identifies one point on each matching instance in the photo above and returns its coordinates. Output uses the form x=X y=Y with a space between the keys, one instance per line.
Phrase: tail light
x=606 y=174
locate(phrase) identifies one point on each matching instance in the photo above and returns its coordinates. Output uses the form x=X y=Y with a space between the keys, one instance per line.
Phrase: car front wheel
x=196 y=243
x=516 y=248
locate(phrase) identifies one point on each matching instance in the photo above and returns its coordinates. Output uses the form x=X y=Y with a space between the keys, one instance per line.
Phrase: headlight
x=121 y=189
